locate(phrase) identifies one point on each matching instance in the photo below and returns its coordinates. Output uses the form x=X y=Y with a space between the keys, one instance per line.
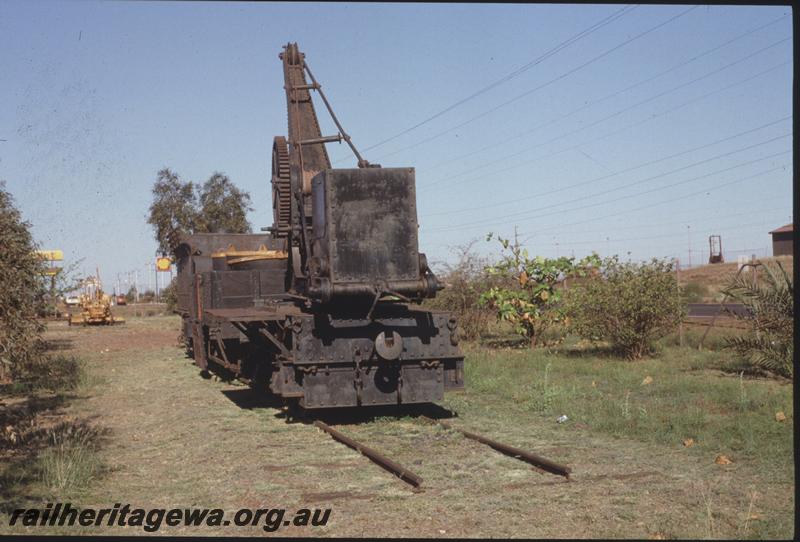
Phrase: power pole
x=678 y=288
x=689 y=237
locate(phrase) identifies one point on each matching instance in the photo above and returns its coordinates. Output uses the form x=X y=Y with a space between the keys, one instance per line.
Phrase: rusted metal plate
x=253 y=314
x=370 y=223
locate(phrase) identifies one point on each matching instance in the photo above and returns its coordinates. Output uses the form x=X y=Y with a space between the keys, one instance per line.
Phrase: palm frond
x=769 y=345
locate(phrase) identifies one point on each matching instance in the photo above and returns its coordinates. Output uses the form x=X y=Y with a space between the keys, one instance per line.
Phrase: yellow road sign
x=163 y=264
x=51 y=255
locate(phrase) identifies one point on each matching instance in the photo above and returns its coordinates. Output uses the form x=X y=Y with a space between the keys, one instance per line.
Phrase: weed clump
x=70 y=462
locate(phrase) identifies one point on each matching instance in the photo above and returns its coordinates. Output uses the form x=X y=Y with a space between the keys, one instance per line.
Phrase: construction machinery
x=94 y=305
x=324 y=309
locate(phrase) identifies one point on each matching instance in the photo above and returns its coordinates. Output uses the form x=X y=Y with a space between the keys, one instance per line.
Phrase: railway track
x=541 y=464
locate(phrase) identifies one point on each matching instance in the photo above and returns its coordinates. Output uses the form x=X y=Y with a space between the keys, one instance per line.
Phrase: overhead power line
x=541 y=58
x=662 y=236
x=608 y=96
x=656 y=204
x=617 y=113
x=488 y=222
x=692 y=214
x=615 y=132
x=543 y=85
x=615 y=173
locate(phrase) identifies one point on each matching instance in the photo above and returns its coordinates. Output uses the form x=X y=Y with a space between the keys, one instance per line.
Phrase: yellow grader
x=94 y=305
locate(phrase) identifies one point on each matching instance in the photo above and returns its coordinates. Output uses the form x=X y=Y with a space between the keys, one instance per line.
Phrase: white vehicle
x=72 y=300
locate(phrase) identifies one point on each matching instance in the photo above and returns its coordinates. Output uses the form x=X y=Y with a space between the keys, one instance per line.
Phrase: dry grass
x=177 y=440
x=716 y=276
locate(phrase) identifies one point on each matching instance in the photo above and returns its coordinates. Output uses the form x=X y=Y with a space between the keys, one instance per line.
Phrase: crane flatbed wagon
x=324 y=309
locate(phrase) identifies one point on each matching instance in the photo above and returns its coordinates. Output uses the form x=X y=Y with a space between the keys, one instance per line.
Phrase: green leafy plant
x=769 y=344
x=530 y=289
x=630 y=305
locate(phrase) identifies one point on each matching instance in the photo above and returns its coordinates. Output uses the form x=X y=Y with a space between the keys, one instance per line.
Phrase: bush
x=21 y=293
x=130 y=297
x=464 y=283
x=630 y=305
x=770 y=343
x=695 y=292
x=169 y=295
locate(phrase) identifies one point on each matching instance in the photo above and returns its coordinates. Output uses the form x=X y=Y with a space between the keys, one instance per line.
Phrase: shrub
x=529 y=292
x=169 y=295
x=630 y=305
x=21 y=293
x=769 y=345
x=464 y=283
x=130 y=297
x=694 y=292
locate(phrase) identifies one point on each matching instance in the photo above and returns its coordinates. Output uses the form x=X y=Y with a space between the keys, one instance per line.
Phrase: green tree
x=56 y=287
x=130 y=297
x=769 y=344
x=223 y=207
x=529 y=296
x=217 y=206
x=21 y=293
x=630 y=305
x=174 y=208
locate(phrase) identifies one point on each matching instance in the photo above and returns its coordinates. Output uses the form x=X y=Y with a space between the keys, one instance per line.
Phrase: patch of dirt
x=137 y=334
x=623 y=476
x=333 y=496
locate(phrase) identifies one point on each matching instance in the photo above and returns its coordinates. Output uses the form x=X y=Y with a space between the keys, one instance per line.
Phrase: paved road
x=710 y=309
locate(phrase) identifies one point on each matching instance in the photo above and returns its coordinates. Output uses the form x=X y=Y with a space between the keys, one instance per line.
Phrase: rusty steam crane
x=323 y=310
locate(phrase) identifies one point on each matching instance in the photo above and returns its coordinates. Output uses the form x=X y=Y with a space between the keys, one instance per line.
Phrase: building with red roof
x=783 y=240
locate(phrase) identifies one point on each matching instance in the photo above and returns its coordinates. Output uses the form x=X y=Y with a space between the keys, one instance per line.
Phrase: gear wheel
x=281 y=186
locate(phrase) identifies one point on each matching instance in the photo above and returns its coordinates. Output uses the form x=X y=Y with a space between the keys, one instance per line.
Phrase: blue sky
x=644 y=135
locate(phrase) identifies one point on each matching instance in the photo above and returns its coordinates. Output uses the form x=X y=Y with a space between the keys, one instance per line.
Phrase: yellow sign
x=163 y=264
x=51 y=255
x=51 y=271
